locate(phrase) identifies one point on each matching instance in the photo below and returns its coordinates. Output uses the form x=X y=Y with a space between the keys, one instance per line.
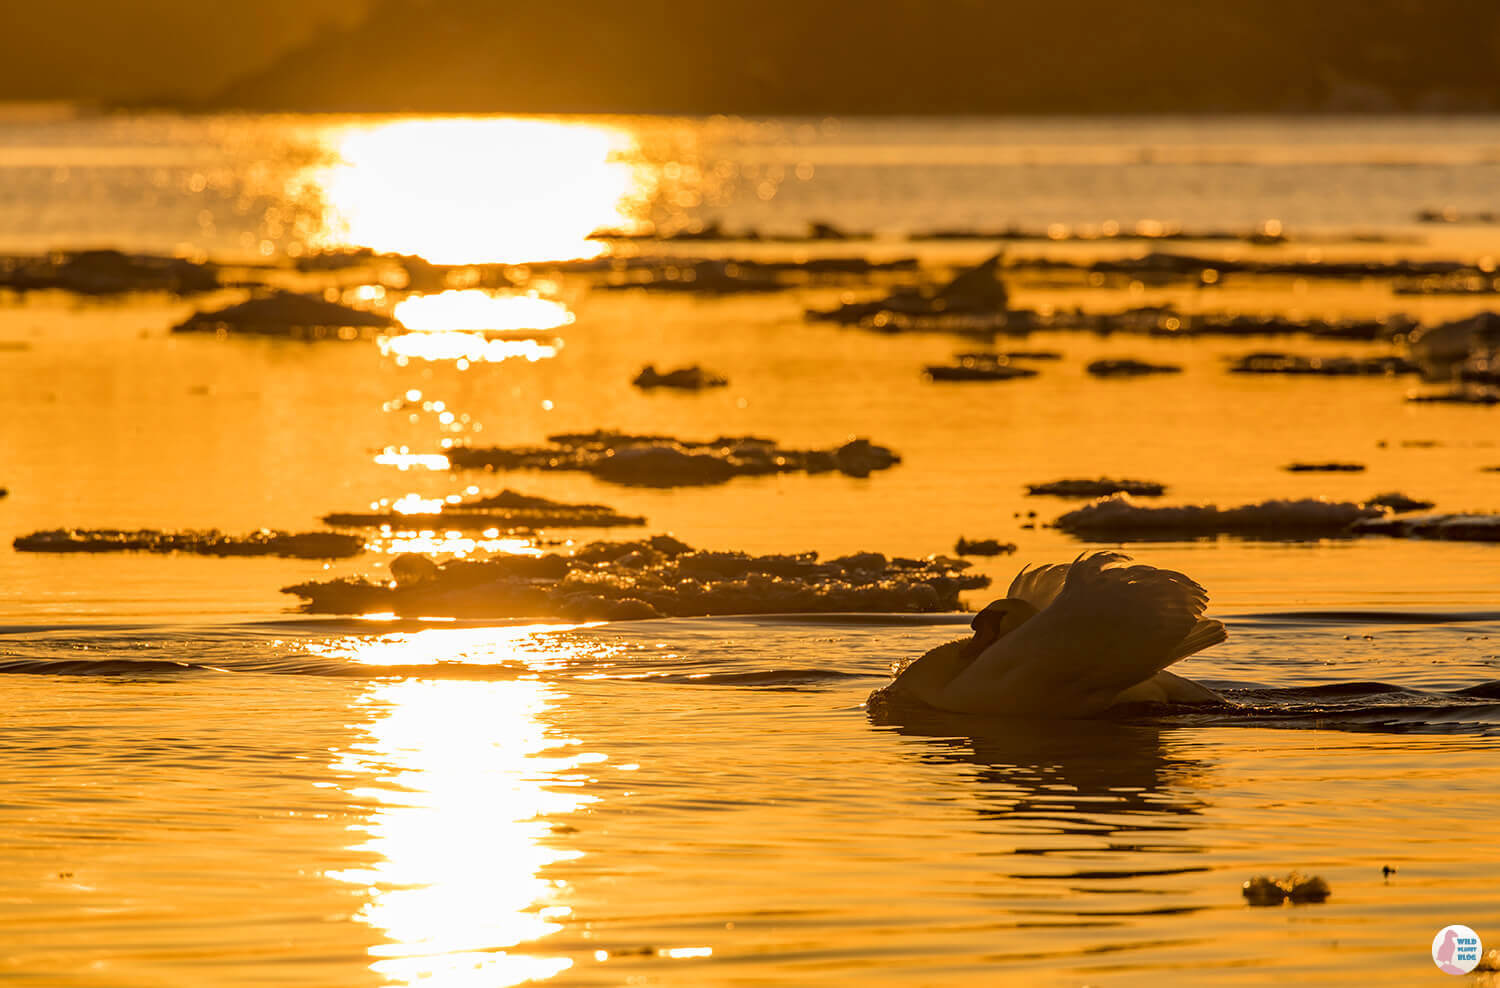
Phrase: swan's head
x=998 y=620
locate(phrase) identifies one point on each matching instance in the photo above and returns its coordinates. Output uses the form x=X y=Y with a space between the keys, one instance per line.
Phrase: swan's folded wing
x=1111 y=627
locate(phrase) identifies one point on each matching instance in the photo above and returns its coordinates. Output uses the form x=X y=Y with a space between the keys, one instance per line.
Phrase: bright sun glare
x=470 y=190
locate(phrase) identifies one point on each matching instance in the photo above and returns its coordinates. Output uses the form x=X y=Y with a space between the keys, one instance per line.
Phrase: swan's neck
x=1017 y=613
x=925 y=677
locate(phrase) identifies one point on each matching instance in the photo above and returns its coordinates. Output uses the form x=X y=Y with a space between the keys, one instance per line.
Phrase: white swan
x=1071 y=640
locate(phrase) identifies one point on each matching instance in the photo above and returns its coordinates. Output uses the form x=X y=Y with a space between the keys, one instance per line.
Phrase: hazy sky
x=771 y=56
x=133 y=49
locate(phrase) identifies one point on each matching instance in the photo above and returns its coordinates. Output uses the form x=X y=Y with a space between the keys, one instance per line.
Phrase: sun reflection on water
x=404 y=459
x=472 y=310
x=464 y=780
x=466 y=326
x=474 y=348
x=416 y=504
x=472 y=190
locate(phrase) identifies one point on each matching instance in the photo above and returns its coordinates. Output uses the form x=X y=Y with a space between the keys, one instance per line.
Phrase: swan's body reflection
x=1112 y=789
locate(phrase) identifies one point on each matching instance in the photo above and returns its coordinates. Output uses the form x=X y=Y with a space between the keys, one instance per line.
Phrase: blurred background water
x=530 y=188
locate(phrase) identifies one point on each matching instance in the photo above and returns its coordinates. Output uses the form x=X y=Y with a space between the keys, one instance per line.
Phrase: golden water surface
x=197 y=787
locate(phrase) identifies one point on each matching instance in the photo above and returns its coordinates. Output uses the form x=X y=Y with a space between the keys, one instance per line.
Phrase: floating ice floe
x=1451 y=214
x=983 y=547
x=1162 y=264
x=915 y=311
x=107 y=272
x=301 y=545
x=1013 y=355
x=1166 y=322
x=1331 y=467
x=1481 y=368
x=280 y=313
x=692 y=378
x=1118 y=517
x=1128 y=367
x=1271 y=362
x=1441 y=346
x=1458 y=396
x=654 y=577
x=974 y=299
x=1461 y=283
x=978 y=367
x=1453 y=527
x=508 y=511
x=1103 y=487
x=1398 y=502
x=664 y=461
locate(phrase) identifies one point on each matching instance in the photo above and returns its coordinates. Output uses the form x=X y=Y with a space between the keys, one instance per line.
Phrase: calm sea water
x=198 y=786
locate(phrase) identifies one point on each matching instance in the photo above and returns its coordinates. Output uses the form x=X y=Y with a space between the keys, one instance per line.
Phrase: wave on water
x=104 y=667
x=133 y=668
x=1280 y=618
x=1369 y=706
x=763 y=652
x=757 y=677
x=1377 y=707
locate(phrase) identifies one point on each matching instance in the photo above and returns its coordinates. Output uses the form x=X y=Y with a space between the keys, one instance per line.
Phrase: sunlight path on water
x=465 y=779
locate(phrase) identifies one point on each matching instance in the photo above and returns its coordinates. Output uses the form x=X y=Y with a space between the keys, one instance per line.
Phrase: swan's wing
x=1039 y=586
x=1167 y=688
x=1205 y=633
x=1110 y=627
